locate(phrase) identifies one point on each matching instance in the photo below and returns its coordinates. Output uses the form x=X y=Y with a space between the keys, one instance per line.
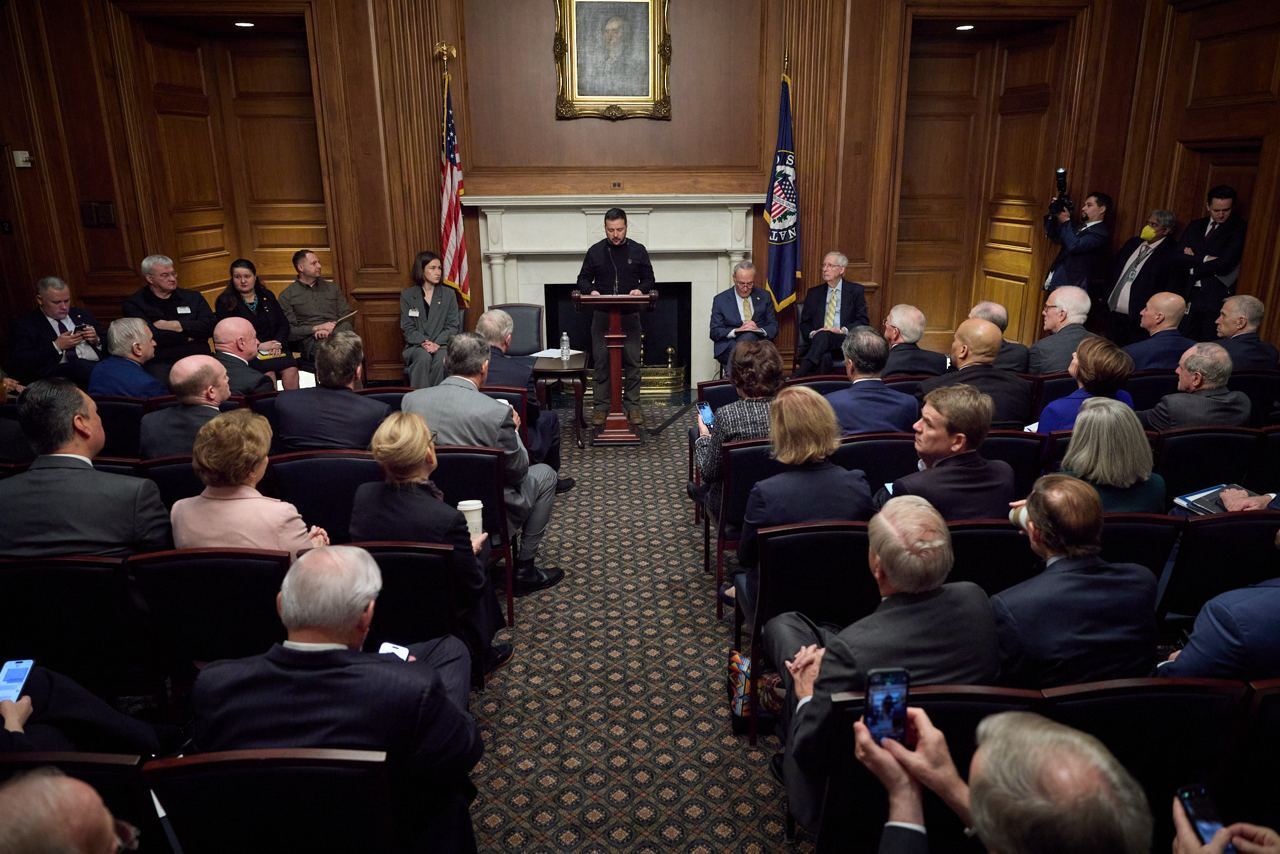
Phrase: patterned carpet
x=609 y=730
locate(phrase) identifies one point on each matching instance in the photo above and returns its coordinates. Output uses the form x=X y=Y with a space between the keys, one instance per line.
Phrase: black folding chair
x=390 y=395
x=1051 y=387
x=744 y=464
x=1023 y=451
x=1146 y=539
x=991 y=553
x=173 y=476
x=121 y=423
x=716 y=393
x=323 y=484
x=882 y=457
x=1220 y=553
x=1147 y=387
x=1263 y=389
x=517 y=399
x=1195 y=458
x=823 y=384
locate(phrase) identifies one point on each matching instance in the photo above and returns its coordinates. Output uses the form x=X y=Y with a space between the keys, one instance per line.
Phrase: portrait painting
x=612 y=58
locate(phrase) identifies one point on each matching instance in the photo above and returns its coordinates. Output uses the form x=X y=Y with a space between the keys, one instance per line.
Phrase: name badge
x=184 y=309
x=413 y=312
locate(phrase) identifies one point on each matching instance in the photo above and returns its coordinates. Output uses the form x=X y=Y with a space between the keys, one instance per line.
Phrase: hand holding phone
x=886 y=704
x=13 y=676
x=400 y=652
x=705 y=413
x=1202 y=814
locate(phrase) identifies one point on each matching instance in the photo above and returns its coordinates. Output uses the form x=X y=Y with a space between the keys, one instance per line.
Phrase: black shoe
x=565 y=484
x=775 y=768
x=499 y=655
x=530 y=579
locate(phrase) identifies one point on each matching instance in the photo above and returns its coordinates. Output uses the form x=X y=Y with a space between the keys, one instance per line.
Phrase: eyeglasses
x=1050 y=305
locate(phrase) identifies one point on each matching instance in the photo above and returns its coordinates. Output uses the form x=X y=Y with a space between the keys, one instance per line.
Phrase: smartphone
x=1202 y=812
x=704 y=412
x=886 y=704
x=13 y=677
x=400 y=652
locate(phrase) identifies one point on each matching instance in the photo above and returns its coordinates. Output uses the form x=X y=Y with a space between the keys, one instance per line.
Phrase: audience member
x=318 y=689
x=1035 y=787
x=429 y=318
x=1081 y=619
x=973 y=350
x=1237 y=327
x=497 y=327
x=246 y=297
x=827 y=315
x=62 y=505
x=230 y=458
x=331 y=415
x=46 y=811
x=803 y=428
x=1236 y=636
x=235 y=345
x=313 y=305
x=868 y=405
x=409 y=507
x=55 y=339
x=131 y=345
x=1013 y=356
x=903 y=328
x=1243 y=838
x=1160 y=318
x=1100 y=369
x=180 y=320
x=1109 y=451
x=56 y=714
x=1202 y=398
x=1083 y=252
x=1146 y=265
x=941 y=633
x=14 y=447
x=1065 y=312
x=757 y=376
x=1212 y=247
x=742 y=313
x=200 y=384
x=461 y=414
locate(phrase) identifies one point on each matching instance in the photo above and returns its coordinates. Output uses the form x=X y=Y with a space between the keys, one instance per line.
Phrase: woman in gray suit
x=429 y=317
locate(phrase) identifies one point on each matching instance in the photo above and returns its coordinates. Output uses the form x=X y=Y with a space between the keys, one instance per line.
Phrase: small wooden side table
x=550 y=370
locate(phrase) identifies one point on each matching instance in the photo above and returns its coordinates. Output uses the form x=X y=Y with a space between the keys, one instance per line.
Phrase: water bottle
x=564 y=346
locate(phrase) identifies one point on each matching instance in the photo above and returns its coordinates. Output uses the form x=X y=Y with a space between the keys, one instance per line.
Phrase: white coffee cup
x=473 y=509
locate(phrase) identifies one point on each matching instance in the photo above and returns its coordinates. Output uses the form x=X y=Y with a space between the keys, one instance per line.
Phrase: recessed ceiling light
x=245 y=24
x=964 y=27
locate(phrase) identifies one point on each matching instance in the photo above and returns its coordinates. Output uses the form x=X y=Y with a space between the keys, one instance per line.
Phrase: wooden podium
x=617 y=430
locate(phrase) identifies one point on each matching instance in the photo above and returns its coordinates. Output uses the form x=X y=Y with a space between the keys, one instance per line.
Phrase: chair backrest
x=1220 y=553
x=173 y=476
x=817 y=568
x=209 y=604
x=10 y=469
x=1253 y=785
x=322 y=485
x=823 y=384
x=517 y=399
x=882 y=457
x=744 y=464
x=121 y=423
x=1142 y=538
x=466 y=472
x=1147 y=387
x=265 y=405
x=390 y=395
x=416 y=602
x=717 y=393
x=273 y=800
x=1051 y=387
x=1022 y=450
x=1199 y=457
x=117 y=465
x=906 y=383
x=991 y=553
x=1263 y=388
x=1266 y=474
x=527 y=334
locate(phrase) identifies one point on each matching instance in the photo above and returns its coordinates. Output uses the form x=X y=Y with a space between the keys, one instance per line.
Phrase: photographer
x=1084 y=250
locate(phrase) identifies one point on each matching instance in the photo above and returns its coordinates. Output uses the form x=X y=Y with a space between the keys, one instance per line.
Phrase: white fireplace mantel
x=528 y=241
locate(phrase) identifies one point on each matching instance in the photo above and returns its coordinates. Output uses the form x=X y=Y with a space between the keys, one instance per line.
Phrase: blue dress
x=1061 y=413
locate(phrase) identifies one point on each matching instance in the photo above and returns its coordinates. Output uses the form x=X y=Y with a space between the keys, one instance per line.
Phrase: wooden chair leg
x=511 y=581
x=706 y=543
x=719 y=577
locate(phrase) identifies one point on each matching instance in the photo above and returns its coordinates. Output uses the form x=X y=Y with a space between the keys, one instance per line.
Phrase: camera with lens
x=1061 y=202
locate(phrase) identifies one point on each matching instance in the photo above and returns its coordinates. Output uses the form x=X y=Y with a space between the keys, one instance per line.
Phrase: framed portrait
x=613 y=59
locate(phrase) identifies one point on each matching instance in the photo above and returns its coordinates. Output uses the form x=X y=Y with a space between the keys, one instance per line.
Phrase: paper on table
x=551 y=354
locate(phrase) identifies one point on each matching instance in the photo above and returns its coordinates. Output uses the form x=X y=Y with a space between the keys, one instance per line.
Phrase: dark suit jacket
x=966 y=486
x=515 y=372
x=327 y=418
x=242 y=378
x=1081 y=255
x=807 y=493
x=1011 y=393
x=1226 y=245
x=910 y=359
x=31 y=351
x=903 y=840
x=1012 y=357
x=853 y=308
x=1217 y=407
x=1053 y=353
x=1160 y=352
x=1160 y=272
x=1248 y=352
x=63 y=506
x=870 y=406
x=726 y=316
x=1236 y=636
x=1080 y=620
x=121 y=377
x=171 y=432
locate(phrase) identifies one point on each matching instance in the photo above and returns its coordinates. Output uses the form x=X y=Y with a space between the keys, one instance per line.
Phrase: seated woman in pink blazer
x=230 y=457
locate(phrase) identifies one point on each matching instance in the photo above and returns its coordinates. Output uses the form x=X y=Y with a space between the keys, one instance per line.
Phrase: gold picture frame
x=613 y=59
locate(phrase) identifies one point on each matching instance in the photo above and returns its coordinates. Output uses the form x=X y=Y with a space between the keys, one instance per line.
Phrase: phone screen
x=886 y=709
x=1202 y=812
x=704 y=411
x=13 y=677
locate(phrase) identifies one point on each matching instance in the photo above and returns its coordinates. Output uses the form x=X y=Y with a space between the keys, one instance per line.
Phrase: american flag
x=785 y=197
x=453 y=246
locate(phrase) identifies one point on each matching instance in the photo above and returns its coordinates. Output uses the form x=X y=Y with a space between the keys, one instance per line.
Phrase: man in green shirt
x=312 y=305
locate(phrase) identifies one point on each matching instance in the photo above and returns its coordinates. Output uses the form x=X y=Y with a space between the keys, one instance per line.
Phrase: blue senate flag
x=782 y=211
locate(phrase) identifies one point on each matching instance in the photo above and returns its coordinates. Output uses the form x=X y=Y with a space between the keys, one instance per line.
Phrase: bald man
x=1160 y=318
x=200 y=384
x=973 y=351
x=235 y=344
x=1012 y=355
x=45 y=810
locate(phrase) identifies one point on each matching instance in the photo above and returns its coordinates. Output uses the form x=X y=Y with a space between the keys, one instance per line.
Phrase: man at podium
x=616 y=265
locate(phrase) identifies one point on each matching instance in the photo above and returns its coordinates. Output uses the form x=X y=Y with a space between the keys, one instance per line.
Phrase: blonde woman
x=1110 y=451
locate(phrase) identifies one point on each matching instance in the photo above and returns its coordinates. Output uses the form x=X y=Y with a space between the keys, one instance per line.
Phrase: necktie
x=1213 y=225
x=1126 y=280
x=71 y=354
x=829 y=320
x=746 y=309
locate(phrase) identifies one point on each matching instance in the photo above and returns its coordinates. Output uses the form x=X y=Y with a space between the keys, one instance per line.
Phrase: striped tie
x=830 y=320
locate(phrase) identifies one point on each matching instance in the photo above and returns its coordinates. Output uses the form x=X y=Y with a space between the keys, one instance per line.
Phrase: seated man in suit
x=1013 y=356
x=331 y=415
x=1160 y=318
x=55 y=713
x=973 y=352
x=1065 y=312
x=941 y=633
x=742 y=313
x=460 y=414
x=1145 y=265
x=1236 y=636
x=1030 y=780
x=62 y=505
x=200 y=384
x=235 y=342
x=1202 y=398
x=954 y=477
x=121 y=374
x=828 y=313
x=868 y=405
x=903 y=327
x=1237 y=327
x=54 y=339
x=180 y=320
x=496 y=326
x=318 y=689
x=1080 y=620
